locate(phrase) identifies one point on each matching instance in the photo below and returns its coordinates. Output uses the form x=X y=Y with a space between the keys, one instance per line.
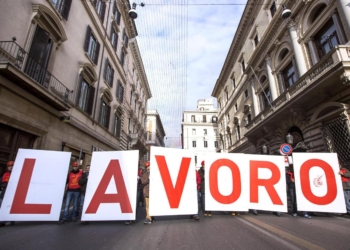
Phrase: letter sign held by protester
x=32 y=194
x=111 y=189
x=172 y=182
x=317 y=183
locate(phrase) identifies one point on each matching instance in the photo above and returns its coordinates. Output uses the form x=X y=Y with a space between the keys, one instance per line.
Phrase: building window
x=226 y=94
x=205 y=144
x=249 y=116
x=243 y=66
x=246 y=93
x=91 y=47
x=256 y=40
x=105 y=111
x=193 y=119
x=273 y=9
x=193 y=131
x=125 y=39
x=114 y=38
x=129 y=124
x=109 y=74
x=228 y=117
x=326 y=39
x=194 y=144
x=214 y=119
x=205 y=132
x=100 y=7
x=234 y=83
x=62 y=7
x=204 y=118
x=117 y=126
x=116 y=12
x=236 y=107
x=289 y=75
x=238 y=132
x=120 y=92
x=216 y=145
x=215 y=131
x=131 y=91
x=85 y=98
x=122 y=57
x=265 y=100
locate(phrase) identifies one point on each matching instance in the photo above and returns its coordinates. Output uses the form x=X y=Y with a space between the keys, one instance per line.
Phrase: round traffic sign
x=286 y=149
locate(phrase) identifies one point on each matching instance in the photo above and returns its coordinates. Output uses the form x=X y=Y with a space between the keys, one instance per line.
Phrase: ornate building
x=71 y=78
x=200 y=130
x=154 y=130
x=287 y=75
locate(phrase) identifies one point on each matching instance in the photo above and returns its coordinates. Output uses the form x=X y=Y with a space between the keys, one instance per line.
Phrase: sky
x=183 y=45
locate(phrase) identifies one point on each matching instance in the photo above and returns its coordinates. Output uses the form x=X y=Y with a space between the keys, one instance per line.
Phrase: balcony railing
x=11 y=52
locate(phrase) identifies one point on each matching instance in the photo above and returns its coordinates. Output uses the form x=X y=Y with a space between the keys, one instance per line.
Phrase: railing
x=11 y=52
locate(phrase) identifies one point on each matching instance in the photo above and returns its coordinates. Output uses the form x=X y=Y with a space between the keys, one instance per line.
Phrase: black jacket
x=83 y=181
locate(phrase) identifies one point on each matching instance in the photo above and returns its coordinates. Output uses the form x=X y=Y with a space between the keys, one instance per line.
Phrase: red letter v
x=174 y=194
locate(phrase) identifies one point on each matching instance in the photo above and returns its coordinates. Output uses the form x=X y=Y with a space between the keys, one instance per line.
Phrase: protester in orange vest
x=345 y=178
x=4 y=181
x=73 y=193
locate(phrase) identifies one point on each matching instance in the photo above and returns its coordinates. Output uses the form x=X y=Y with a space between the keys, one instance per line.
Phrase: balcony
x=137 y=142
x=326 y=78
x=20 y=68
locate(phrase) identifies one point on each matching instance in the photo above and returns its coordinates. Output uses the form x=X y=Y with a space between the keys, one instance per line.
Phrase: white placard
x=181 y=195
x=317 y=183
x=43 y=175
x=271 y=182
x=108 y=172
x=227 y=182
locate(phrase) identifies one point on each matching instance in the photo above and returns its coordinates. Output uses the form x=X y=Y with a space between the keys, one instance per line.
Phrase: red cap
x=202 y=163
x=146 y=163
x=75 y=164
x=10 y=163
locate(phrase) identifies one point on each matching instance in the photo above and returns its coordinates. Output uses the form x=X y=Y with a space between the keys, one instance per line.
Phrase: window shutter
x=122 y=93
x=116 y=42
x=90 y=100
x=65 y=13
x=126 y=40
x=111 y=34
x=114 y=7
x=103 y=11
x=118 y=127
x=112 y=76
x=79 y=89
x=122 y=58
x=97 y=52
x=108 y=116
x=94 y=2
x=100 y=112
x=87 y=38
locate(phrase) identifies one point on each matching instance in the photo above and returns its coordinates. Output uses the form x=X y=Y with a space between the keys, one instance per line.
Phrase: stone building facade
x=200 y=130
x=71 y=78
x=154 y=130
x=287 y=76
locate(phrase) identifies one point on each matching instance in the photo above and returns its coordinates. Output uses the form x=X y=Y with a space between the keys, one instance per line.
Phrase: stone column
x=338 y=27
x=272 y=83
x=298 y=52
x=255 y=101
x=313 y=51
x=344 y=9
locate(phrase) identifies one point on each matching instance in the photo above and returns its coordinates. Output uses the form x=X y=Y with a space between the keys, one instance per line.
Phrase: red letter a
x=174 y=194
x=255 y=182
x=100 y=196
x=18 y=205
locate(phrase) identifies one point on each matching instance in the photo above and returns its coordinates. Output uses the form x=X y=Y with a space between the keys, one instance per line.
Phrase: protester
x=145 y=182
x=202 y=190
x=83 y=183
x=291 y=188
x=4 y=181
x=73 y=192
x=198 y=181
x=345 y=178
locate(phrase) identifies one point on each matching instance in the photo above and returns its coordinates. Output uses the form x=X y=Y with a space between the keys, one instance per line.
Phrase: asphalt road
x=221 y=231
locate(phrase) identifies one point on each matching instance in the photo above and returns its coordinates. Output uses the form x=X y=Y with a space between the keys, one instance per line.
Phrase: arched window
x=318 y=12
x=86 y=91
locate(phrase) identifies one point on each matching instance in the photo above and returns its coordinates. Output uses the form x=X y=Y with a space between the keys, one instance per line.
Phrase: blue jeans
x=81 y=203
x=347 y=199
x=71 y=196
x=202 y=198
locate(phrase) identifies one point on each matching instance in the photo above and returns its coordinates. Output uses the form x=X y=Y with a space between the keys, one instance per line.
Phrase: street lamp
x=289 y=138
x=286 y=12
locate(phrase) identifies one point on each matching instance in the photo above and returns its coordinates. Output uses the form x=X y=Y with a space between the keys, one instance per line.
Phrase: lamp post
x=289 y=139
x=264 y=149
